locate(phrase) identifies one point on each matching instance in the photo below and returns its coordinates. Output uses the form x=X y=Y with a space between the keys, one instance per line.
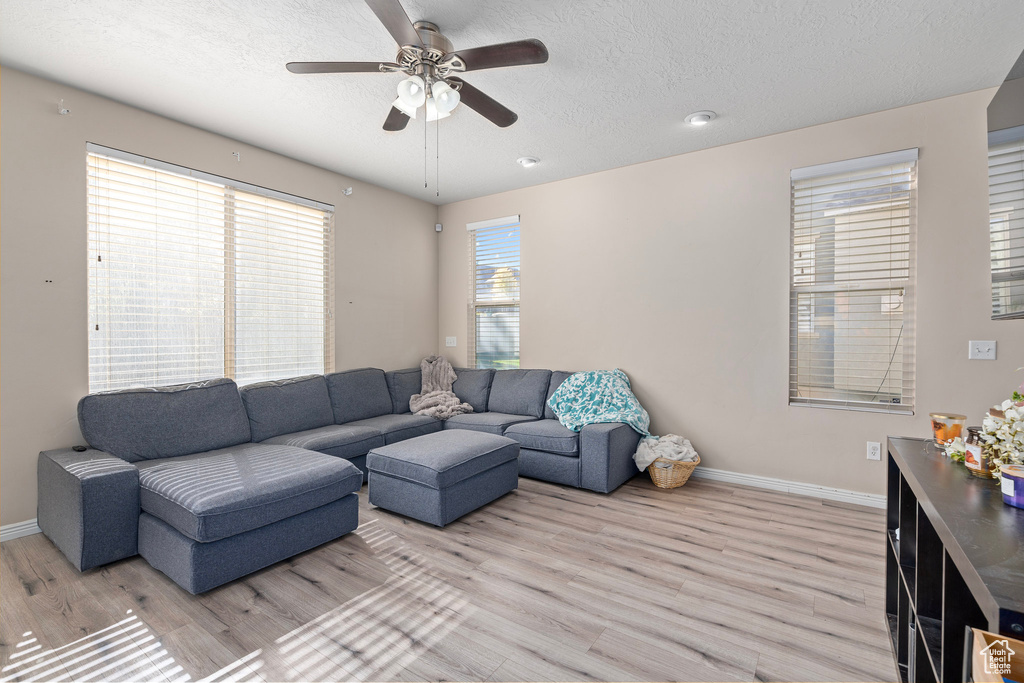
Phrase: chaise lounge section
x=204 y=505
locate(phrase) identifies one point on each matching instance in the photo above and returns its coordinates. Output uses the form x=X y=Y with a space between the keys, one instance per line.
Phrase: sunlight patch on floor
x=126 y=650
x=374 y=635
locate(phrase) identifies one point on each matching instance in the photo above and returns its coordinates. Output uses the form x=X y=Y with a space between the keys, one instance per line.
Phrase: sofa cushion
x=224 y=492
x=494 y=423
x=164 y=422
x=546 y=435
x=359 y=394
x=519 y=392
x=400 y=427
x=287 y=405
x=473 y=387
x=442 y=459
x=557 y=377
x=341 y=441
x=402 y=384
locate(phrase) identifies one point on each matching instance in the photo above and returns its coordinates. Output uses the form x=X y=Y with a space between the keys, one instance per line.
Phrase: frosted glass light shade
x=412 y=92
x=404 y=108
x=446 y=98
x=434 y=113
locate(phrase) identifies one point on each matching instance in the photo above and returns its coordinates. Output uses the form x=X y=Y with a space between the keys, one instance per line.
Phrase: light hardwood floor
x=708 y=582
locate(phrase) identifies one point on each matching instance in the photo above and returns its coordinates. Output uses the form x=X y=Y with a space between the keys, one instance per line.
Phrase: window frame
x=229 y=190
x=803 y=284
x=476 y=305
x=1003 y=278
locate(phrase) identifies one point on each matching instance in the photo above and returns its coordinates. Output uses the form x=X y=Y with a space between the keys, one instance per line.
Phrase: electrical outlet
x=981 y=350
x=449 y=341
x=874 y=450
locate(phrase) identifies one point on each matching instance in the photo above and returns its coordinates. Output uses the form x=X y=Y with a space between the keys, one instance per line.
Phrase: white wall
x=676 y=271
x=385 y=250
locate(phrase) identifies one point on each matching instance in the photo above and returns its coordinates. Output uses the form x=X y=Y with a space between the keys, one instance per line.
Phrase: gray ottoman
x=437 y=478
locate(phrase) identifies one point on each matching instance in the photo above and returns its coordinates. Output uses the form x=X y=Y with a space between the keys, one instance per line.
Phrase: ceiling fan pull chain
x=425 y=125
x=437 y=158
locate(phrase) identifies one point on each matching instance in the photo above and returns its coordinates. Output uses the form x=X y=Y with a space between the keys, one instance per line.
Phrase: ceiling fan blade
x=333 y=67
x=396 y=120
x=395 y=20
x=516 y=53
x=485 y=105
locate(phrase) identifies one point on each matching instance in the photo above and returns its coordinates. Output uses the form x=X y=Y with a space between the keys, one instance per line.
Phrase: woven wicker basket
x=671 y=474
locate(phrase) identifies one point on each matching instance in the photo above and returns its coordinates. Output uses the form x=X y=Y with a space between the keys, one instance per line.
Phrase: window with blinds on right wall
x=1006 y=221
x=852 y=284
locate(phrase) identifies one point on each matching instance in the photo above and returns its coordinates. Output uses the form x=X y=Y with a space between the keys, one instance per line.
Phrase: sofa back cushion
x=285 y=406
x=402 y=384
x=165 y=422
x=473 y=387
x=557 y=377
x=358 y=394
x=519 y=392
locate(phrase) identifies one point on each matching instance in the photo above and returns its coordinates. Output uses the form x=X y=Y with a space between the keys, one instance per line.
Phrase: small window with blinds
x=494 y=293
x=1006 y=221
x=193 y=276
x=852 y=283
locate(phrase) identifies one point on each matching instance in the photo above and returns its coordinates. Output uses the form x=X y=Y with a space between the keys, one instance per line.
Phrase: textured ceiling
x=621 y=77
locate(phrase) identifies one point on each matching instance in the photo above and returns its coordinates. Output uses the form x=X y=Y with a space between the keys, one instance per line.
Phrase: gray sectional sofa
x=209 y=483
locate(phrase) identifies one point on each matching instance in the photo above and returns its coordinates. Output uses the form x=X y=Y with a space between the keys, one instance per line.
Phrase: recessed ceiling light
x=527 y=162
x=700 y=118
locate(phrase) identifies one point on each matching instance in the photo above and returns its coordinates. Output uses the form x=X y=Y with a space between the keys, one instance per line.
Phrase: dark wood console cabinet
x=954 y=560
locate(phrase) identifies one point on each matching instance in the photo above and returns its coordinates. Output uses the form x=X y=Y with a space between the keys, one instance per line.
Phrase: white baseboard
x=799 y=488
x=12 y=531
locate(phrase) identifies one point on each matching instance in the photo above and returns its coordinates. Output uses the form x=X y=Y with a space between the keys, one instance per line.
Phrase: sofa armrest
x=89 y=505
x=606 y=455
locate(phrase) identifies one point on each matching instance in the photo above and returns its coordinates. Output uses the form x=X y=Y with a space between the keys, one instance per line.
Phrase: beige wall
x=677 y=272
x=386 y=255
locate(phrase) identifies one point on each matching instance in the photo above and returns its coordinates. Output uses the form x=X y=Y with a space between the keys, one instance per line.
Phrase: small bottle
x=976 y=459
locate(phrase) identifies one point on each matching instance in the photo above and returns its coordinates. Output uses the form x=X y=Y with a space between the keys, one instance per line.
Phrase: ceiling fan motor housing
x=433 y=58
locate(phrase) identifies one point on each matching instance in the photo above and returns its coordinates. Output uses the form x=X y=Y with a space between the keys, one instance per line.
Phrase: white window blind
x=494 y=293
x=851 y=284
x=193 y=276
x=1006 y=221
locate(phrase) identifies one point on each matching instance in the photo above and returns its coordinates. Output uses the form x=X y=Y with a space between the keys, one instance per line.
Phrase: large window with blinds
x=852 y=284
x=193 y=276
x=494 y=293
x=1006 y=221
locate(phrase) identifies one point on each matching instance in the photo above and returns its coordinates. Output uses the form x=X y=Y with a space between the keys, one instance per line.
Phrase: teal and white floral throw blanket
x=598 y=396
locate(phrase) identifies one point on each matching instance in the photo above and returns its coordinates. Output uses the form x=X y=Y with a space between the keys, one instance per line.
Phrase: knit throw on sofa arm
x=436 y=397
x=598 y=396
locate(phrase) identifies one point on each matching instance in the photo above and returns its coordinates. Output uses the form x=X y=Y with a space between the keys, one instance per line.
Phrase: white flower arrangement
x=1003 y=432
x=956 y=449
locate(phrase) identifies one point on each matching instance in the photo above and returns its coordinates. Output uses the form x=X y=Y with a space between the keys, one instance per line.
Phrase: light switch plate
x=981 y=350
x=449 y=341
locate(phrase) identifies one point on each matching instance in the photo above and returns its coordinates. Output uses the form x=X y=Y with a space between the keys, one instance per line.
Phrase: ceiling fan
x=431 y=63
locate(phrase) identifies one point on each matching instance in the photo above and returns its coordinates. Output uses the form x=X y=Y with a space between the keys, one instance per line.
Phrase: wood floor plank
x=658 y=663
x=625 y=617
x=455 y=658
x=535 y=656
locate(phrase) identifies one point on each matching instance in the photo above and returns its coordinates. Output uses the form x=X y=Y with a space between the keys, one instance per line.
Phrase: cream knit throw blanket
x=436 y=398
